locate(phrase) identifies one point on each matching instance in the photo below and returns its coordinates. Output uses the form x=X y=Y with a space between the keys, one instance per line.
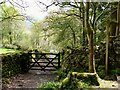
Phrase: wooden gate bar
x=34 y=64
x=50 y=62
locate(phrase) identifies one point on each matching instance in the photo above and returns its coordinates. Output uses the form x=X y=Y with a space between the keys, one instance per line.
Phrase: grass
x=85 y=86
x=49 y=86
x=4 y=50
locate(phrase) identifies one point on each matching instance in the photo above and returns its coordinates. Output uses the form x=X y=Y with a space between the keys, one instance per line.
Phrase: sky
x=32 y=7
x=37 y=10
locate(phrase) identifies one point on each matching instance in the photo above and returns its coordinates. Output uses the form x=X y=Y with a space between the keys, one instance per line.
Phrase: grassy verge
x=83 y=81
x=4 y=50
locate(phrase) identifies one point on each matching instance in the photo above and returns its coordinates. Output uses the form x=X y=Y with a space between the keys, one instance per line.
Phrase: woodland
x=87 y=34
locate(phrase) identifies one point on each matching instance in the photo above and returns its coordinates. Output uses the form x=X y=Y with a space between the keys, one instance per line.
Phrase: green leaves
x=66 y=28
x=12 y=25
x=9 y=13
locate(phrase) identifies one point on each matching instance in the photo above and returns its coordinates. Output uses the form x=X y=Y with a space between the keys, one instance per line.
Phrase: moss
x=76 y=80
x=69 y=83
x=90 y=78
x=75 y=59
x=14 y=63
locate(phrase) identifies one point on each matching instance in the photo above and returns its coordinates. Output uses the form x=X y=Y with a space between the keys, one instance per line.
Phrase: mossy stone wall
x=14 y=63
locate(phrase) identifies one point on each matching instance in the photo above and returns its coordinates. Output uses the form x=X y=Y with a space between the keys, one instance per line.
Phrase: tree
x=11 y=22
x=66 y=29
x=93 y=17
x=90 y=38
x=118 y=19
x=112 y=29
x=36 y=34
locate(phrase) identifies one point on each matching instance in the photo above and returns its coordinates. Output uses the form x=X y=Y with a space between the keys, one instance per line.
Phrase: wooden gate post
x=59 y=60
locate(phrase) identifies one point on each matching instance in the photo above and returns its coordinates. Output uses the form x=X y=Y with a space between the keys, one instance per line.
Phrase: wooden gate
x=44 y=61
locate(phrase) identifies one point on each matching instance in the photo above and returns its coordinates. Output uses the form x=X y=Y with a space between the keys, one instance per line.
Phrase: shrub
x=61 y=74
x=49 y=86
x=101 y=71
x=116 y=71
x=84 y=84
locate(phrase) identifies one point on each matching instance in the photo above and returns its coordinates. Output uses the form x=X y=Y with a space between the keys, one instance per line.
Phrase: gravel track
x=32 y=79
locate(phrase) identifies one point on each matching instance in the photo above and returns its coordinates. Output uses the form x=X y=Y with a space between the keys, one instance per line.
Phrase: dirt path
x=32 y=79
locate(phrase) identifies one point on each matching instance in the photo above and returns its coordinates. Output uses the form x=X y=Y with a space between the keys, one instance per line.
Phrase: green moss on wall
x=14 y=63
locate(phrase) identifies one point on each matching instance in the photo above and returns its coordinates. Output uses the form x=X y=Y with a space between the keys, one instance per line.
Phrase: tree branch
x=2 y=2
x=15 y=18
x=47 y=6
x=17 y=4
x=97 y=18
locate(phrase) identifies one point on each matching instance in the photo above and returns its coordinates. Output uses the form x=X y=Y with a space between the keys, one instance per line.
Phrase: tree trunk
x=113 y=24
x=10 y=37
x=74 y=37
x=118 y=17
x=91 y=67
x=84 y=37
x=93 y=23
x=83 y=21
x=107 y=49
x=90 y=39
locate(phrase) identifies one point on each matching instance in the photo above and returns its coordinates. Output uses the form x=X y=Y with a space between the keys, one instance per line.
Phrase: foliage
x=77 y=20
x=69 y=28
x=76 y=80
x=75 y=59
x=101 y=71
x=116 y=71
x=66 y=29
x=14 y=63
x=49 y=86
x=73 y=81
x=36 y=35
x=9 y=12
x=100 y=60
x=70 y=82
x=84 y=84
x=12 y=25
x=61 y=74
